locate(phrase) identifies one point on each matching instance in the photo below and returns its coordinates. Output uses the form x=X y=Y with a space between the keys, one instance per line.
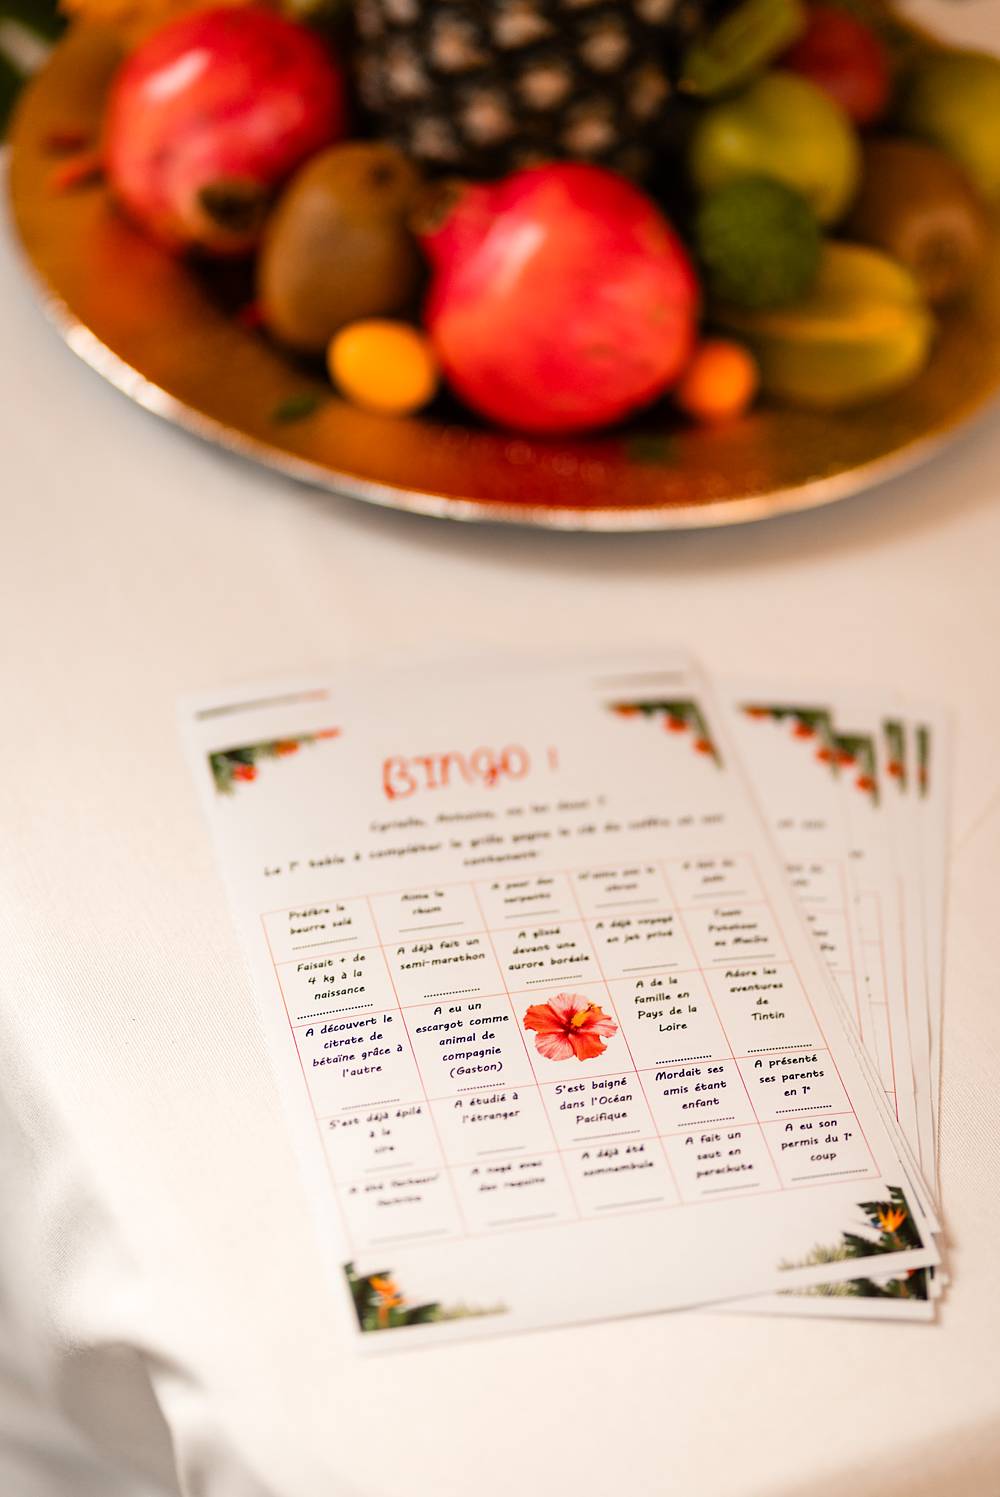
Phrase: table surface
x=160 y=1278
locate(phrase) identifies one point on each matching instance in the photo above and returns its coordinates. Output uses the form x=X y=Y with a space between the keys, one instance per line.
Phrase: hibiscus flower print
x=569 y=1025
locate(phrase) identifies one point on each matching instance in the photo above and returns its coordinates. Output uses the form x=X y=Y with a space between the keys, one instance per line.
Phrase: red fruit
x=209 y=115
x=561 y=298
x=845 y=58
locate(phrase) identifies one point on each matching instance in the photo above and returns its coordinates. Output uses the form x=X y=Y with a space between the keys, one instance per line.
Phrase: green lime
x=759 y=243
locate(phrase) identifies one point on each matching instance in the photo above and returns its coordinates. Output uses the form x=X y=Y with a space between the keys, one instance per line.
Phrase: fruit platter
x=591 y=264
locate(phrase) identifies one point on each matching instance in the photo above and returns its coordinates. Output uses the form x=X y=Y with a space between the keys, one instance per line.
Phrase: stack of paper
x=594 y=989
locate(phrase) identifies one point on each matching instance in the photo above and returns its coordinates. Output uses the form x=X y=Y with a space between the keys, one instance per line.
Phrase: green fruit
x=918 y=205
x=740 y=45
x=758 y=241
x=338 y=247
x=952 y=99
x=783 y=127
x=862 y=332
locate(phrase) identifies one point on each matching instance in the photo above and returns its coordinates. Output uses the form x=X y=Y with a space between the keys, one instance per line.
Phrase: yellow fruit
x=781 y=126
x=863 y=331
x=384 y=366
x=952 y=99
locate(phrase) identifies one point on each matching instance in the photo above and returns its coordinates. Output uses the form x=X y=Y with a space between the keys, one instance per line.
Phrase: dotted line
x=337 y=941
x=407 y=930
x=828 y=1174
x=623 y=1133
x=566 y=977
x=453 y=992
x=772 y=1049
x=623 y=1205
x=683 y=1060
x=520 y=914
x=813 y=1107
x=325 y=1013
x=512 y=1221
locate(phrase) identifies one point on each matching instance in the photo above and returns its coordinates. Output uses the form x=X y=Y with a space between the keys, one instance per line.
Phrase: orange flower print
x=387 y=1295
x=890 y=1221
x=569 y=1025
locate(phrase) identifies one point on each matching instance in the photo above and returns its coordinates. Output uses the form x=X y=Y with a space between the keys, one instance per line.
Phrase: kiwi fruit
x=337 y=246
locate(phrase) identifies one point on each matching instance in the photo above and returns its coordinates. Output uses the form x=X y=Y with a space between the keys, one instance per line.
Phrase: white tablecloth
x=161 y=1293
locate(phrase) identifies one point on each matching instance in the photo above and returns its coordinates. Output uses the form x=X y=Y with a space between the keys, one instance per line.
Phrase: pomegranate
x=847 y=60
x=209 y=115
x=561 y=298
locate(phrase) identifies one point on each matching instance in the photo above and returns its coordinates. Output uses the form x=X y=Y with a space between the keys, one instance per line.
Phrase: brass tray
x=162 y=333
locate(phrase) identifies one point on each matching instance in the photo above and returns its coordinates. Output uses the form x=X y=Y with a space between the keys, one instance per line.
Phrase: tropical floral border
x=896 y=1230
x=923 y=759
x=239 y=766
x=381 y=1305
x=842 y=752
x=679 y=716
x=897 y=767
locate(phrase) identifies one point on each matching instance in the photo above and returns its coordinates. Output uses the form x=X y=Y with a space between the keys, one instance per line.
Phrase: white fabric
x=160 y=1284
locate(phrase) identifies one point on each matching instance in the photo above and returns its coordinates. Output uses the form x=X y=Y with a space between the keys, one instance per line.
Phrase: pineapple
x=481 y=87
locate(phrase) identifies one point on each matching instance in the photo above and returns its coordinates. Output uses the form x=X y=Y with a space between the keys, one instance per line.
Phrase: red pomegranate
x=209 y=115
x=561 y=298
x=846 y=59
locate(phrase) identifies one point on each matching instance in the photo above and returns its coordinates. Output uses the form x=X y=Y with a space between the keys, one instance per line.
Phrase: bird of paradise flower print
x=387 y=1296
x=677 y=717
x=381 y=1305
x=569 y=1025
x=890 y=1219
x=233 y=766
x=896 y=1231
